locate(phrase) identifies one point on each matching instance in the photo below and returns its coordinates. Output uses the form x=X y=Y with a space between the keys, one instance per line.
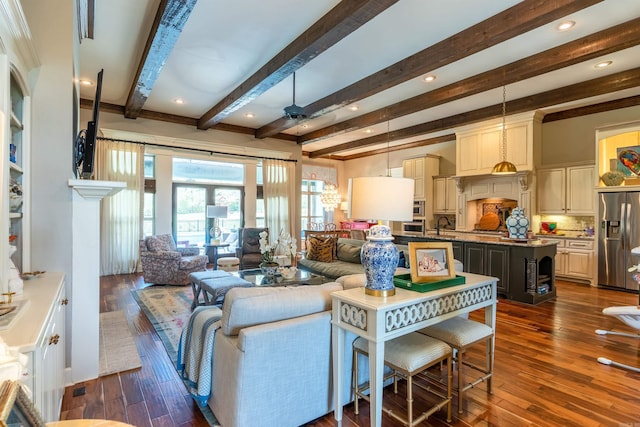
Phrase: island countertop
x=479 y=238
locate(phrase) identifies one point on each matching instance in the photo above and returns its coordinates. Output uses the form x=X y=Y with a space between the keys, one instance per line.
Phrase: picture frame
x=16 y=408
x=431 y=261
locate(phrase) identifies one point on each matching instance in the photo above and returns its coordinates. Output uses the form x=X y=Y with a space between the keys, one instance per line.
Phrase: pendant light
x=504 y=167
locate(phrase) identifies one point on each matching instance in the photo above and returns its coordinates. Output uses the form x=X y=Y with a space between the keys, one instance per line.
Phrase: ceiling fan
x=293 y=111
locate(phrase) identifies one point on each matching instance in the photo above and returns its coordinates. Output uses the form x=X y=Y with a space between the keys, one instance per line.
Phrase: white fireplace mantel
x=85 y=275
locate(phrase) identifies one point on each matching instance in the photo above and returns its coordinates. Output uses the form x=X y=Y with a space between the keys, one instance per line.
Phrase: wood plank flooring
x=546 y=371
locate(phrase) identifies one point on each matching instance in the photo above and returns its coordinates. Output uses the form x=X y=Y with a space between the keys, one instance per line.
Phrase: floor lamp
x=215 y=212
x=382 y=198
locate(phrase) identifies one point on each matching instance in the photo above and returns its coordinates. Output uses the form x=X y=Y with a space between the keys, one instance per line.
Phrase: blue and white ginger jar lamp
x=517 y=224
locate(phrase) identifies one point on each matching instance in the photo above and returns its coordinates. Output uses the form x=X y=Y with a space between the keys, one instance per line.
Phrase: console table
x=379 y=319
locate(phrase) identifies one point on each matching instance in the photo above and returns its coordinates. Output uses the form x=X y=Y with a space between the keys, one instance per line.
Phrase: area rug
x=168 y=309
x=118 y=351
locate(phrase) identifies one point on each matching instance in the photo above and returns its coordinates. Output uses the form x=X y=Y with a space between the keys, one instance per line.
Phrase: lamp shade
x=214 y=211
x=382 y=198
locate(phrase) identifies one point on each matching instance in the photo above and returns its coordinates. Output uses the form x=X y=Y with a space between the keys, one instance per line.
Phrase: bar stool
x=229 y=263
x=407 y=356
x=461 y=333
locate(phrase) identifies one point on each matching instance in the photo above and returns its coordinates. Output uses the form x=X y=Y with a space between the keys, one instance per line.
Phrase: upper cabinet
x=414 y=168
x=444 y=195
x=479 y=147
x=566 y=191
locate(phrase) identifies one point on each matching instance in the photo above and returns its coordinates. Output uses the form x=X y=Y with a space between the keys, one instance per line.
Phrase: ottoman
x=213 y=285
x=228 y=263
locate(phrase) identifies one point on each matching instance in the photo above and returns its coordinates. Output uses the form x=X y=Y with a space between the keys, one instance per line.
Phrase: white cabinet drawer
x=580 y=244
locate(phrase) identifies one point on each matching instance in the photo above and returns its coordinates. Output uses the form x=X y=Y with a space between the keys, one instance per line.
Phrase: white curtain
x=121 y=214
x=279 y=185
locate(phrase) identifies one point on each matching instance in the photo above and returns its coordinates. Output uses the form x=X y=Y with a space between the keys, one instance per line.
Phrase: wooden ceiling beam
x=617 y=104
x=167 y=26
x=600 y=86
x=335 y=25
x=586 y=48
x=519 y=19
x=105 y=107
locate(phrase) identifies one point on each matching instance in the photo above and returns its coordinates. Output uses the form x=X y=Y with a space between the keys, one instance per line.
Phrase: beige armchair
x=163 y=263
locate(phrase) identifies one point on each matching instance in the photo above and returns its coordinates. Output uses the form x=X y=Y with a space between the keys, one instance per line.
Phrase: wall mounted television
x=85 y=143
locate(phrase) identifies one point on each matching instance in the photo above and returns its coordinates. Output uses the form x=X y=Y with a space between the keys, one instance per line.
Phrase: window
x=149 y=217
x=312 y=209
x=260 y=217
x=198 y=183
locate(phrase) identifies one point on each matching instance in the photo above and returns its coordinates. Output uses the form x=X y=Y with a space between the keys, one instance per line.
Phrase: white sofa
x=272 y=357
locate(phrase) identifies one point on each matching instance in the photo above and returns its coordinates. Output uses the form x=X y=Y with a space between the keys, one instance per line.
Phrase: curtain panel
x=121 y=214
x=279 y=185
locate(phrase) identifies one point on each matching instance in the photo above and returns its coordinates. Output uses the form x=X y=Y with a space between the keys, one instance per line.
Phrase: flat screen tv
x=85 y=143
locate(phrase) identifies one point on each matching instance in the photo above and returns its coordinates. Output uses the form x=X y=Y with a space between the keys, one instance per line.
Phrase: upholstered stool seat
x=230 y=263
x=461 y=333
x=407 y=356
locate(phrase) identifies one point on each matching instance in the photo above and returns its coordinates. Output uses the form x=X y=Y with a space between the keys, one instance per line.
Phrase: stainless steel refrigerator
x=619 y=232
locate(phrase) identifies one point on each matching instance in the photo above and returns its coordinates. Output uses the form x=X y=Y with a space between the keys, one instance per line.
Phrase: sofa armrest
x=190 y=251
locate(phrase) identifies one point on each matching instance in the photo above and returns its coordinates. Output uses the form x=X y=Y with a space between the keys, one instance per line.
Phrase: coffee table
x=213 y=285
x=302 y=277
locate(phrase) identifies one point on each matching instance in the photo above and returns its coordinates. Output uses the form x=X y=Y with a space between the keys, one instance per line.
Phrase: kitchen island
x=525 y=268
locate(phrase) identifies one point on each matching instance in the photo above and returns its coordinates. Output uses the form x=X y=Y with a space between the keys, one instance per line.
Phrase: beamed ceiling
x=360 y=65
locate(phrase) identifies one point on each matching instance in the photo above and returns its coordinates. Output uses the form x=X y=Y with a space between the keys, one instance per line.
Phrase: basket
x=612 y=178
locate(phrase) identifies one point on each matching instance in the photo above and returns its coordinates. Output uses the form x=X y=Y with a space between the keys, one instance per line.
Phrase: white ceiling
x=224 y=42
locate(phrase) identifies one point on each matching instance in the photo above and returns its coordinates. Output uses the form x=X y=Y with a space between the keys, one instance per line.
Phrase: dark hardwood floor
x=546 y=372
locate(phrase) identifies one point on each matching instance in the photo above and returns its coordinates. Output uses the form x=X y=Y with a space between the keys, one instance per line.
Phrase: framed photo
x=431 y=261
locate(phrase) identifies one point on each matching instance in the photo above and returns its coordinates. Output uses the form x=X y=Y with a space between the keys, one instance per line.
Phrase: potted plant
x=268 y=265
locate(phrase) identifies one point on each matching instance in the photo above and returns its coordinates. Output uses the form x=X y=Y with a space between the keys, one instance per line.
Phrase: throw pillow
x=161 y=243
x=349 y=253
x=321 y=249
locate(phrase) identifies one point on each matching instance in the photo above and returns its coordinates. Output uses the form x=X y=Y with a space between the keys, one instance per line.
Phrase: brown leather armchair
x=248 y=250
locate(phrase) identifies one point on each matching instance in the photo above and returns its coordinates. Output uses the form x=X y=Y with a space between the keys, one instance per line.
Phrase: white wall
x=52 y=137
x=573 y=140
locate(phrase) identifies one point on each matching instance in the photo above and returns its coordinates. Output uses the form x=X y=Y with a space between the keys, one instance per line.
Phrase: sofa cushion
x=321 y=248
x=349 y=252
x=244 y=307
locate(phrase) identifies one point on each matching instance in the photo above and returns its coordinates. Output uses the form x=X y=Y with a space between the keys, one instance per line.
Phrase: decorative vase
x=612 y=178
x=379 y=258
x=517 y=224
x=269 y=268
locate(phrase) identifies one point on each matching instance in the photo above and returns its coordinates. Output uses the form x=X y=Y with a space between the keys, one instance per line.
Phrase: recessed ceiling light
x=85 y=82
x=603 y=64
x=429 y=78
x=179 y=101
x=305 y=126
x=566 y=25
x=354 y=108
x=249 y=115
x=368 y=131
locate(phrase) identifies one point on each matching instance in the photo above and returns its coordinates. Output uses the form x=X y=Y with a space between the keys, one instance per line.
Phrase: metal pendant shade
x=504 y=167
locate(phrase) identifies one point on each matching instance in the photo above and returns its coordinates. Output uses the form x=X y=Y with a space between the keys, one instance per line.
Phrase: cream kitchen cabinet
x=566 y=191
x=575 y=259
x=39 y=333
x=415 y=168
x=479 y=148
x=444 y=195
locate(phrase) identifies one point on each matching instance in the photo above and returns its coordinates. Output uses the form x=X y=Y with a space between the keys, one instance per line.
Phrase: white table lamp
x=382 y=199
x=215 y=212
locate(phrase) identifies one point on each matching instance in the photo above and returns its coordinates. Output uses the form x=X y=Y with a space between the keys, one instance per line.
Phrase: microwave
x=418 y=208
x=413 y=228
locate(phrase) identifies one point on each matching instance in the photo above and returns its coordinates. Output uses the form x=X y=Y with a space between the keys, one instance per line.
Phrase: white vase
x=517 y=224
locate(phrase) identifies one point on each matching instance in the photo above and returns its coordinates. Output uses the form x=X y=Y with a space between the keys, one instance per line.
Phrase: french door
x=190 y=223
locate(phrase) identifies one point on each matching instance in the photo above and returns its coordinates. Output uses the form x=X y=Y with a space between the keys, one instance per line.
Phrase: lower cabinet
x=575 y=259
x=489 y=260
x=39 y=333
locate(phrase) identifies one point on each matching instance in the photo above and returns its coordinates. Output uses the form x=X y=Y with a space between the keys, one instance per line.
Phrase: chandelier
x=330 y=198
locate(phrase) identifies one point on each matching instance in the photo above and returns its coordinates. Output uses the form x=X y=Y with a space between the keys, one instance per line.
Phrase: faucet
x=438 y=224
